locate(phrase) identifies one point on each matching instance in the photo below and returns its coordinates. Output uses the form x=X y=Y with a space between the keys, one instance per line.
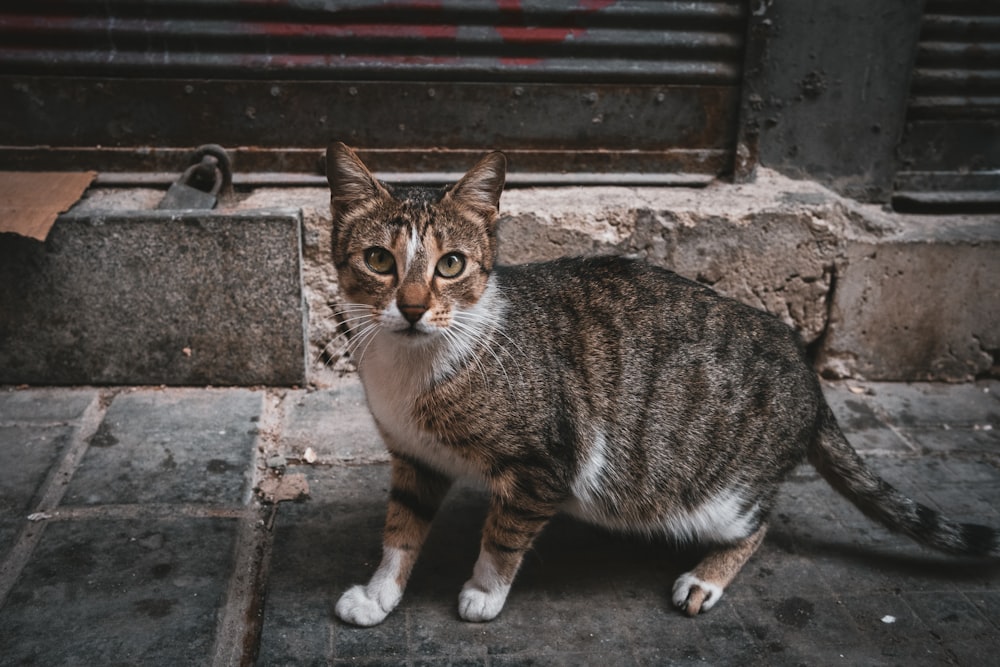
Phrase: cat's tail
x=846 y=472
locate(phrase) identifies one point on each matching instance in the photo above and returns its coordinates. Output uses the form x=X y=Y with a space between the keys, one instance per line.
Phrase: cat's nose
x=412 y=312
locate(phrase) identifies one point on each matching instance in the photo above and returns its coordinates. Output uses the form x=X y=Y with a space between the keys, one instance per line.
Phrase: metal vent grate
x=950 y=155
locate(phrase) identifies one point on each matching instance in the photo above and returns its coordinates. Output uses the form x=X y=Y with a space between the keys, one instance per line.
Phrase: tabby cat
x=606 y=388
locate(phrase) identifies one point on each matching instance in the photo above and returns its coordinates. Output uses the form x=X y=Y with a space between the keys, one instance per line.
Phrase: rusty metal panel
x=380 y=115
x=950 y=151
x=641 y=87
x=500 y=40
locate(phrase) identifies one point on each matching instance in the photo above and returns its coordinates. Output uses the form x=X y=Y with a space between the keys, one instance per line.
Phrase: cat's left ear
x=482 y=185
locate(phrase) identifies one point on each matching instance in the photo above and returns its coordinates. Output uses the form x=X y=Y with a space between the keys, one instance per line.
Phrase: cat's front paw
x=357 y=607
x=476 y=605
x=692 y=595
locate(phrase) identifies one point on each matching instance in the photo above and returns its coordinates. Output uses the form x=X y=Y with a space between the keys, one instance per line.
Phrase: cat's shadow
x=572 y=558
x=906 y=562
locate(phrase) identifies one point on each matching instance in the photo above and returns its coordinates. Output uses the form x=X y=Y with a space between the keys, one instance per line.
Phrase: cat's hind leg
x=698 y=590
x=415 y=495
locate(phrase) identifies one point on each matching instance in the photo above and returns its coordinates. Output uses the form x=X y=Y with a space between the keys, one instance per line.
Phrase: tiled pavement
x=130 y=534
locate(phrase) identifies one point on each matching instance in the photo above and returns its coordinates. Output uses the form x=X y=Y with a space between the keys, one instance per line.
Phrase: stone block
x=170 y=446
x=335 y=423
x=920 y=304
x=108 y=592
x=153 y=297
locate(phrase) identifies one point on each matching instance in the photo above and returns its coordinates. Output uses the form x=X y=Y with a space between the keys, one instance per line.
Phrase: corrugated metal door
x=949 y=158
x=572 y=90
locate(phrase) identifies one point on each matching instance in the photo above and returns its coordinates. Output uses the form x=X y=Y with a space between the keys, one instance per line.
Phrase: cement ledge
x=876 y=295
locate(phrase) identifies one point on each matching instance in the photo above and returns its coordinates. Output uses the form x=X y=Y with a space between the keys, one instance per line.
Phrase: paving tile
x=570 y=627
x=933 y=404
x=971 y=651
x=447 y=661
x=437 y=631
x=792 y=619
x=519 y=629
x=988 y=603
x=169 y=446
x=814 y=594
x=563 y=660
x=956 y=440
x=571 y=559
x=335 y=423
x=857 y=416
x=973 y=472
x=119 y=592
x=951 y=615
x=970 y=503
x=27 y=456
x=44 y=404
x=774 y=573
x=390 y=661
x=885 y=617
x=387 y=641
x=321 y=547
x=862 y=653
x=726 y=639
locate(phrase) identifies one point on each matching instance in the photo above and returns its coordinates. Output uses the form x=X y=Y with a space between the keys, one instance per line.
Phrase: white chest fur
x=394 y=378
x=396 y=371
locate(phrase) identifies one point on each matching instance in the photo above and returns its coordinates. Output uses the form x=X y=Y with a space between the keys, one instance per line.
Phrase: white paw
x=693 y=595
x=476 y=605
x=359 y=607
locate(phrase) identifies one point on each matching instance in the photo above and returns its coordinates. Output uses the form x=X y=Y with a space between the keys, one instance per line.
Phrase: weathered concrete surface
x=193 y=572
x=789 y=247
x=921 y=303
x=154 y=298
x=874 y=294
x=820 y=115
x=771 y=248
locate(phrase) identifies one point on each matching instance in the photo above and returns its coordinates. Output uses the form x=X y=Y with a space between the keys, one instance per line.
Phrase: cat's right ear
x=350 y=181
x=482 y=185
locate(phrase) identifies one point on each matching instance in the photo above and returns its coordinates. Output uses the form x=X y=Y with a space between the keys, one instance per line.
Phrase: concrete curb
x=122 y=294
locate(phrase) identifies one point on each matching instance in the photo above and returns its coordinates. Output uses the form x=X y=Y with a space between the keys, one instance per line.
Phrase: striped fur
x=604 y=387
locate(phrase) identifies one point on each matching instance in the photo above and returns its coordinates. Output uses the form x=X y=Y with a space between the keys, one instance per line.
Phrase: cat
x=604 y=387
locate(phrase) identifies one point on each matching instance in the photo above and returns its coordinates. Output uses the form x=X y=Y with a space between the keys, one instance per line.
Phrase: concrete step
x=124 y=294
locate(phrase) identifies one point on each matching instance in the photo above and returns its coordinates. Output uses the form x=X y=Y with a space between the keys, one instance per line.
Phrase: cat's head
x=416 y=256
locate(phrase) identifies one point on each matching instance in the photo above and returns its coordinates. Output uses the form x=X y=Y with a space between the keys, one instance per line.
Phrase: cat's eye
x=451 y=265
x=380 y=260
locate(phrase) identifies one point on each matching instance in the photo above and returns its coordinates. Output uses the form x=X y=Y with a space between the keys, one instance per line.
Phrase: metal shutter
x=573 y=91
x=949 y=158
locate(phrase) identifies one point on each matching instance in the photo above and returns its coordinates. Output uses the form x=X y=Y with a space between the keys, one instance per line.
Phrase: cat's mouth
x=412 y=331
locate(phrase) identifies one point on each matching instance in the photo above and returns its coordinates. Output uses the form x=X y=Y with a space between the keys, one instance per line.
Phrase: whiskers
x=356 y=328
x=475 y=331
x=473 y=341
